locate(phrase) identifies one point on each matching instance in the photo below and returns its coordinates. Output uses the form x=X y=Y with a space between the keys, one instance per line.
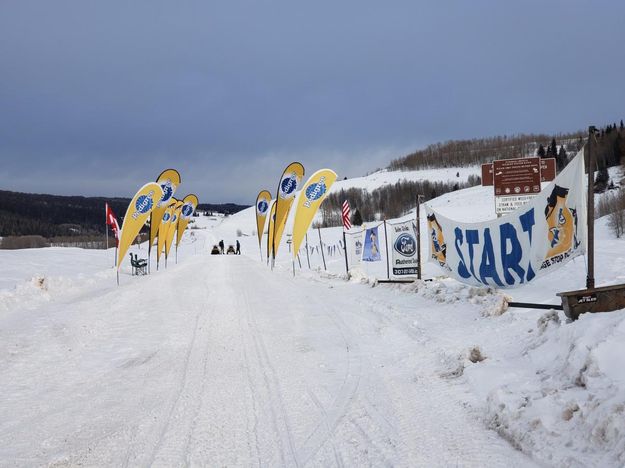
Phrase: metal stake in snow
x=307 y=254
x=321 y=247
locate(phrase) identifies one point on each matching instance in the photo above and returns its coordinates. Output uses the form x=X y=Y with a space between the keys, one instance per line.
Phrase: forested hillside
x=397 y=199
x=50 y=216
x=473 y=152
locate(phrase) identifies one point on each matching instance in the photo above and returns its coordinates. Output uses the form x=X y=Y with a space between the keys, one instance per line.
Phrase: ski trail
x=221 y=362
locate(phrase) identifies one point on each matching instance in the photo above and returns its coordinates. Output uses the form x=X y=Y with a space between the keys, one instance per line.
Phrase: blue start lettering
x=510 y=253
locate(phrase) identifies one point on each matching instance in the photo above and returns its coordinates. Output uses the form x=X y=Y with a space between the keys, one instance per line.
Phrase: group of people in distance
x=222 y=249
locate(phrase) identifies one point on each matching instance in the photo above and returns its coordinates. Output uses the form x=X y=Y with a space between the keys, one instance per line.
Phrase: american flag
x=346 y=214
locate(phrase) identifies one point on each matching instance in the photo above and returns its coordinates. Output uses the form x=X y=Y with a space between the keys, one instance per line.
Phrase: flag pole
x=106 y=225
x=149 y=243
x=345 y=251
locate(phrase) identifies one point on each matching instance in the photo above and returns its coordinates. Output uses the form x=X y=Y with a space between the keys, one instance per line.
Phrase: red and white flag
x=346 y=214
x=111 y=220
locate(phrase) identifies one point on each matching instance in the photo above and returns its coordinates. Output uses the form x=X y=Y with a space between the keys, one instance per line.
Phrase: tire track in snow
x=332 y=416
x=175 y=400
x=272 y=385
x=171 y=447
x=440 y=428
x=221 y=433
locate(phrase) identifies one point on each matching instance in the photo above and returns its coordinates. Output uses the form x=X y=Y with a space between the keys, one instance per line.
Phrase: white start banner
x=512 y=250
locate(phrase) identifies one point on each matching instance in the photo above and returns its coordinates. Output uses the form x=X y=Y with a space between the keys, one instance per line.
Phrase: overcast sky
x=98 y=97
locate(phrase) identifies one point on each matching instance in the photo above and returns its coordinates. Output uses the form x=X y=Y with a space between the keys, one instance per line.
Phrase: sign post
x=516 y=181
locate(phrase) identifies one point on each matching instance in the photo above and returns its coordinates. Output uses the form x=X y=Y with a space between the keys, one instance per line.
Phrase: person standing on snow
x=238 y=252
x=221 y=246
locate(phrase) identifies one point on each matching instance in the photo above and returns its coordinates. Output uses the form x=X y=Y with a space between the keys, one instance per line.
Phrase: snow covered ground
x=220 y=361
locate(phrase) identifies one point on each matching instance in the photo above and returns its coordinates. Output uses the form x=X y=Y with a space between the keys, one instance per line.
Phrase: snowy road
x=220 y=362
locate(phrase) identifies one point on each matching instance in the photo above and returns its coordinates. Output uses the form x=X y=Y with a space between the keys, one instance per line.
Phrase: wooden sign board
x=547 y=169
x=516 y=176
x=487 y=175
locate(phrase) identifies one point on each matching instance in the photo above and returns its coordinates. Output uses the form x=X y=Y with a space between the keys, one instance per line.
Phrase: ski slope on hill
x=218 y=360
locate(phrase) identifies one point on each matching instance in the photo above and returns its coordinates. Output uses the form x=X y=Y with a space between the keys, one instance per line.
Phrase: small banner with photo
x=404 y=255
x=371 y=249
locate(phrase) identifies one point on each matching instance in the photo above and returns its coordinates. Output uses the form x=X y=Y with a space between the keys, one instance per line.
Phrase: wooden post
x=419 y=198
x=590 y=278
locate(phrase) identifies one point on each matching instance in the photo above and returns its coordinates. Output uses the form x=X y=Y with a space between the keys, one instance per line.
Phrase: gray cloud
x=231 y=92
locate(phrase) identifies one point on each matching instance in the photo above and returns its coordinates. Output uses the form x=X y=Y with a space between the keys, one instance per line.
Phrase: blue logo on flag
x=166 y=217
x=187 y=210
x=262 y=207
x=143 y=204
x=405 y=245
x=288 y=185
x=168 y=191
x=315 y=191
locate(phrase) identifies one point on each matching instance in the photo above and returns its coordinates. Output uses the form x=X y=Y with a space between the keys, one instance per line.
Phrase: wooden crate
x=603 y=299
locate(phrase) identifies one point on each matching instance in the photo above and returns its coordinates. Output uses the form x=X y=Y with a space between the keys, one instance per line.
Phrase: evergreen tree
x=621 y=124
x=619 y=149
x=601 y=180
x=553 y=148
x=356 y=218
x=541 y=151
x=561 y=159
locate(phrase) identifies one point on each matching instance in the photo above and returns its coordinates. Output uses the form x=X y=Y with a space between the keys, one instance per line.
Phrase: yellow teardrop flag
x=163 y=229
x=313 y=194
x=262 y=208
x=137 y=214
x=272 y=219
x=169 y=180
x=173 y=226
x=189 y=204
x=289 y=183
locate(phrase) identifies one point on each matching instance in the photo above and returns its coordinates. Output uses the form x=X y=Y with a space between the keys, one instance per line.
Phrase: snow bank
x=564 y=402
